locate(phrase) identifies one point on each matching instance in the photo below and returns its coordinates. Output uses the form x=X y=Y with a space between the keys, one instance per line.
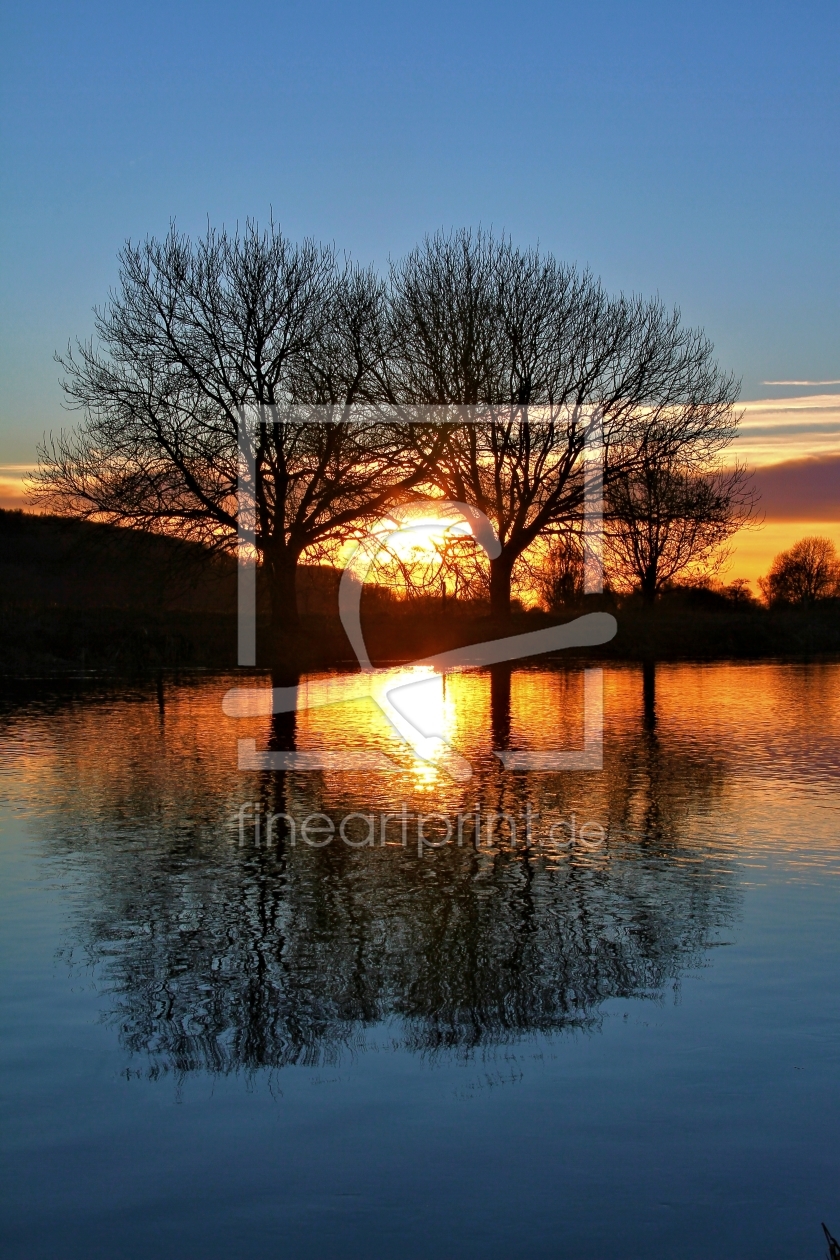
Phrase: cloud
x=12 y=487
x=800 y=382
x=801 y=489
x=775 y=430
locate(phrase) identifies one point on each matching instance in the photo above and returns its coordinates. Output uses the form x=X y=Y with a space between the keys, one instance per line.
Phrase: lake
x=403 y=996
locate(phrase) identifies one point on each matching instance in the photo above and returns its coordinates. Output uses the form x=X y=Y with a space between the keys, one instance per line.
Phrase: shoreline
x=118 y=643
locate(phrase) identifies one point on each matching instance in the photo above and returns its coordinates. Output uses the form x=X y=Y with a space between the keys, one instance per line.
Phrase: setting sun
x=420 y=537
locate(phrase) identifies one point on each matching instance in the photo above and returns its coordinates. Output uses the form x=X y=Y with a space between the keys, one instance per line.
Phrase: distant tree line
x=466 y=323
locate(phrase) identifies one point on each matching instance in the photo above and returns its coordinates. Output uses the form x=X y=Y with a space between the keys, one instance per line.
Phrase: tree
x=523 y=350
x=667 y=519
x=807 y=573
x=512 y=351
x=558 y=575
x=194 y=334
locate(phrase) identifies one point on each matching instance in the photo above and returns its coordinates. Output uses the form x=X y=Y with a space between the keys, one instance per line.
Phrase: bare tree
x=668 y=519
x=807 y=573
x=197 y=331
x=531 y=348
x=194 y=333
x=558 y=574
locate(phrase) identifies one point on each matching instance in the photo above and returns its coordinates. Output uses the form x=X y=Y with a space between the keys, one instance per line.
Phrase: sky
x=687 y=150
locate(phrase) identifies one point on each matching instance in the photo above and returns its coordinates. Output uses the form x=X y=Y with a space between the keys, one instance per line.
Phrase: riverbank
x=76 y=597
x=61 y=640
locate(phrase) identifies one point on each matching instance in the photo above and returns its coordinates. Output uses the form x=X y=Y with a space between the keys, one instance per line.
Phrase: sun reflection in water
x=401 y=711
x=417 y=707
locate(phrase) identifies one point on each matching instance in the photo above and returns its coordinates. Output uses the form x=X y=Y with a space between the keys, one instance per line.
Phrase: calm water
x=608 y=1025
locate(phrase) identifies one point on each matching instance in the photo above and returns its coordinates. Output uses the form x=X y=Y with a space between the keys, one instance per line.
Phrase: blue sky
x=689 y=150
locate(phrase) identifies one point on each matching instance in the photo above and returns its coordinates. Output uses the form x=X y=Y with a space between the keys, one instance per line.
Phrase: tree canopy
x=807 y=573
x=472 y=370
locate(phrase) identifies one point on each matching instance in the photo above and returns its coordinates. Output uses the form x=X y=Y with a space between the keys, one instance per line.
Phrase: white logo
x=392 y=694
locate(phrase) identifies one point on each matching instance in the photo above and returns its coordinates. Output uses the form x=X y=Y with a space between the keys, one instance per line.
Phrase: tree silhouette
x=195 y=336
x=218 y=957
x=807 y=573
x=474 y=371
x=532 y=350
x=668 y=519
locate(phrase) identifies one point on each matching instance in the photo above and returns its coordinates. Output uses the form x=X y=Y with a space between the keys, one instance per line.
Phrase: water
x=611 y=1027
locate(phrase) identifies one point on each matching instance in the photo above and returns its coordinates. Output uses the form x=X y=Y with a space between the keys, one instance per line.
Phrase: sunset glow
x=420 y=632
x=420 y=537
x=772 y=432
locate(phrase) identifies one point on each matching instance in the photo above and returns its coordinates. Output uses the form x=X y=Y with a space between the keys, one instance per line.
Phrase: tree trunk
x=285 y=634
x=649 y=693
x=649 y=584
x=501 y=570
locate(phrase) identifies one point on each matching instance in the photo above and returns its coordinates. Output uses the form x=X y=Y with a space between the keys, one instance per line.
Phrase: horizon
x=790 y=441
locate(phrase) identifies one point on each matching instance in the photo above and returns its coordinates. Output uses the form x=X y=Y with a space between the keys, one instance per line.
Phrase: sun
x=420 y=537
x=411 y=545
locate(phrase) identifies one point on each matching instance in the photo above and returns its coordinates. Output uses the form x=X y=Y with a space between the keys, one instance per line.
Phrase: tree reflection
x=220 y=957
x=500 y=703
x=649 y=693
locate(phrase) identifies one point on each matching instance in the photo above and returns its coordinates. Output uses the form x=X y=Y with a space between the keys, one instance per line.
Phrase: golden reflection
x=741 y=734
x=405 y=712
x=219 y=950
x=416 y=705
